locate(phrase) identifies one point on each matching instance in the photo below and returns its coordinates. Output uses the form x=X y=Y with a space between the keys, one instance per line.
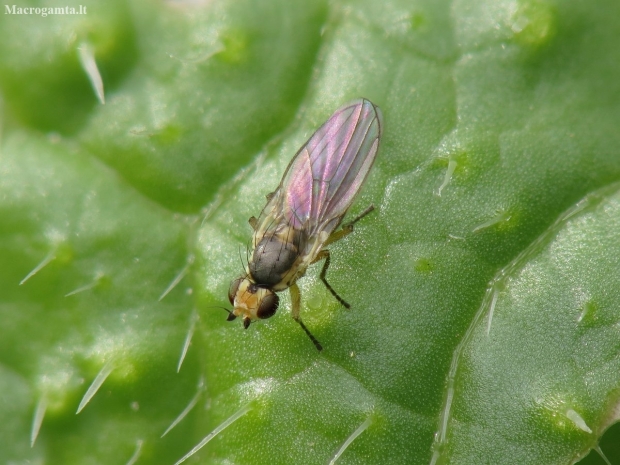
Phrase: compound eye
x=268 y=306
x=232 y=290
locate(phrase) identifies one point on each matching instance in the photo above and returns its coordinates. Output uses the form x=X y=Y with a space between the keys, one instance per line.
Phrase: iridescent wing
x=322 y=180
x=324 y=177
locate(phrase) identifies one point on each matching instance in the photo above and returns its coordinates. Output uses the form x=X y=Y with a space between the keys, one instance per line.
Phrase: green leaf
x=214 y=83
x=540 y=363
x=40 y=73
x=484 y=320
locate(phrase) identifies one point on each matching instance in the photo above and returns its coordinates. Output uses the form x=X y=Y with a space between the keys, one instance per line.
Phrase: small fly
x=303 y=213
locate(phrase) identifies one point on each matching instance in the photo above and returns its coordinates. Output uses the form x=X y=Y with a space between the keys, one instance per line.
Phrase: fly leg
x=350 y=224
x=324 y=254
x=346 y=229
x=296 y=304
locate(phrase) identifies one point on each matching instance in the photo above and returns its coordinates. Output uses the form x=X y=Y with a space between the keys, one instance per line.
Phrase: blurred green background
x=485 y=319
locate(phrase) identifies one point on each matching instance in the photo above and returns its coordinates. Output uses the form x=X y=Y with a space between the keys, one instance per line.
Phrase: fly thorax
x=275 y=255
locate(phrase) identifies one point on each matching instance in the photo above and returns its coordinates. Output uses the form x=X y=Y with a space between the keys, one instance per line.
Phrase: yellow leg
x=346 y=228
x=322 y=255
x=295 y=301
x=296 y=310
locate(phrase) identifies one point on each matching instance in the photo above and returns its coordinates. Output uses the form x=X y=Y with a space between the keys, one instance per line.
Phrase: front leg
x=296 y=310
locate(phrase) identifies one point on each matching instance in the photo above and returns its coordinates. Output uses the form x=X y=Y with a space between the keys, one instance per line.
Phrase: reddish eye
x=268 y=306
x=232 y=290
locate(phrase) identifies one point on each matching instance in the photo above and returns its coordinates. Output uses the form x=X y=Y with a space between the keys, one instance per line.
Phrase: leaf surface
x=484 y=320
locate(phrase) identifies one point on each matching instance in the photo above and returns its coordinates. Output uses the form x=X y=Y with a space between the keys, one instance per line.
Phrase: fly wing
x=322 y=180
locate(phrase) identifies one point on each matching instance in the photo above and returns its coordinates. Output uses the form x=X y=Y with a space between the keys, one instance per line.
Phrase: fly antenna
x=231 y=315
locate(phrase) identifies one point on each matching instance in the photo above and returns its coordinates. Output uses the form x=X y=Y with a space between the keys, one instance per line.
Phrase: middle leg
x=324 y=254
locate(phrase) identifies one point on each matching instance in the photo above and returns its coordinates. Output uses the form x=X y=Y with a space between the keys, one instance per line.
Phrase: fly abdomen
x=274 y=256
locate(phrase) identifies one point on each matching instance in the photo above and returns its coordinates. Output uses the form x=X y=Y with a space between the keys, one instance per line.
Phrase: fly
x=302 y=215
